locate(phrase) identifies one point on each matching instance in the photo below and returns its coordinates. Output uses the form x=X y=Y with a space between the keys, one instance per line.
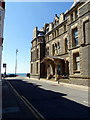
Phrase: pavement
x=0 y=99
x=81 y=87
x=52 y=82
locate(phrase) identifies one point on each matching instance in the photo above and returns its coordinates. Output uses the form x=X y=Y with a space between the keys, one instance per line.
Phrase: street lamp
x=16 y=62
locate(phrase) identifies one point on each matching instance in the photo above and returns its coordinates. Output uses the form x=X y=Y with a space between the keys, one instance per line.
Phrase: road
x=54 y=101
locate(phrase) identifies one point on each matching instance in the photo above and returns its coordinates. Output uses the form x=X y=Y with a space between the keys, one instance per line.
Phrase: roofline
x=77 y=4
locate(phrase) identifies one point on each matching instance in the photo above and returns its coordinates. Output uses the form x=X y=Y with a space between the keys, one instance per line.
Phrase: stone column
x=47 y=71
x=65 y=66
x=51 y=69
x=56 y=67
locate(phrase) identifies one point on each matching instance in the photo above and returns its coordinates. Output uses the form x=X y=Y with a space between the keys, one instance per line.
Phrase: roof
x=51 y=58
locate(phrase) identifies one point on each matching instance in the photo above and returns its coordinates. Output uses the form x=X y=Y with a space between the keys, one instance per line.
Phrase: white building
x=2 y=13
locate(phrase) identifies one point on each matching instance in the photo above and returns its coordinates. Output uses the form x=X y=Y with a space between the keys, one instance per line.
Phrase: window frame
x=75 y=40
x=76 y=62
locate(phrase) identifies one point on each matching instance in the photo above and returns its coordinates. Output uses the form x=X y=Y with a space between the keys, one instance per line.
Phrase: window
x=55 y=46
x=47 y=51
x=53 y=50
x=57 y=32
x=52 y=35
x=37 y=54
x=76 y=62
x=66 y=44
x=58 y=47
x=64 y=28
x=85 y=31
x=37 y=67
x=75 y=37
x=71 y=17
x=76 y=14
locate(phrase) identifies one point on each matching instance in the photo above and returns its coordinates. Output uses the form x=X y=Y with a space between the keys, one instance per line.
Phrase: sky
x=20 y=20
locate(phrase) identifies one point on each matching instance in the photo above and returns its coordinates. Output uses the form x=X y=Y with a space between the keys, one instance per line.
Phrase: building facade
x=2 y=12
x=60 y=50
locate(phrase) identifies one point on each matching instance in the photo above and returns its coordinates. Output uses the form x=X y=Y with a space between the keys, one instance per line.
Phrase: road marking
x=28 y=104
x=33 y=109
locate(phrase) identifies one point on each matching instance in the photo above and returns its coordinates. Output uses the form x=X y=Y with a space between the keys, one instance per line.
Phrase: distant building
x=2 y=12
x=61 y=48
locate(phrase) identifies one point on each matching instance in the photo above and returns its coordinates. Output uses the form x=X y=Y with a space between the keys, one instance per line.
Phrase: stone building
x=60 y=50
x=2 y=12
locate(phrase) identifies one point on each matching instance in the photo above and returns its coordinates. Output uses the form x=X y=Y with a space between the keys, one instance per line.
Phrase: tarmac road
x=13 y=108
x=54 y=101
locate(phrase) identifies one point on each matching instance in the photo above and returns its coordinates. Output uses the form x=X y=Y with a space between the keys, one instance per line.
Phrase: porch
x=56 y=67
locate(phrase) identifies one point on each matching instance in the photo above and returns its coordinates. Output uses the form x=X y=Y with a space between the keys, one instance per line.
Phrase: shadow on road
x=52 y=105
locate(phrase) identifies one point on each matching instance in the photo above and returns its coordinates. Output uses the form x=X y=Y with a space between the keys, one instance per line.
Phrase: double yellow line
x=35 y=112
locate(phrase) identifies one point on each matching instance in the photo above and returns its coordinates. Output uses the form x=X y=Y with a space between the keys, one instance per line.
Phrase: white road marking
x=29 y=105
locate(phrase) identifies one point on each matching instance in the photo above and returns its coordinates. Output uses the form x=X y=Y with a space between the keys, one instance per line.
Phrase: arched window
x=58 y=45
x=58 y=48
x=55 y=46
x=53 y=50
x=47 y=51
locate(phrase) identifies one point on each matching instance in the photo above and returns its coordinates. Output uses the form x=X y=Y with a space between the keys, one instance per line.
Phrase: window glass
x=66 y=45
x=76 y=62
x=71 y=17
x=76 y=14
x=75 y=37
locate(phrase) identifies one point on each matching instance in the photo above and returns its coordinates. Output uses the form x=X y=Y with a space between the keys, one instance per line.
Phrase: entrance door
x=59 y=70
x=67 y=68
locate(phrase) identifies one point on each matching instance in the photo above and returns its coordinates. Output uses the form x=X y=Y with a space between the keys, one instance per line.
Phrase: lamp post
x=16 y=62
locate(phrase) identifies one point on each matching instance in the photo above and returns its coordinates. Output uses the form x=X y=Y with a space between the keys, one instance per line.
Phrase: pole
x=16 y=62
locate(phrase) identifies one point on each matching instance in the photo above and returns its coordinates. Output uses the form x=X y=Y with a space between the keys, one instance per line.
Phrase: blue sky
x=20 y=20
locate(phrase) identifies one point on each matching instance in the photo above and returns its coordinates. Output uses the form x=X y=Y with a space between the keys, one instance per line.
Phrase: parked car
x=28 y=75
x=12 y=75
